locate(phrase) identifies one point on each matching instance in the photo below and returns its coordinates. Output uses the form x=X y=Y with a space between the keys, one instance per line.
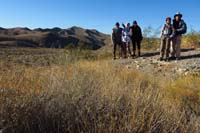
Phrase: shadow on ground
x=190 y=56
x=182 y=50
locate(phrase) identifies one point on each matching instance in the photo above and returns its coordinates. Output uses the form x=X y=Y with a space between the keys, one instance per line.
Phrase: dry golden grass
x=95 y=96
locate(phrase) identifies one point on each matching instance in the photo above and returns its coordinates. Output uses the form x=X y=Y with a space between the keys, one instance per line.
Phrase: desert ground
x=59 y=90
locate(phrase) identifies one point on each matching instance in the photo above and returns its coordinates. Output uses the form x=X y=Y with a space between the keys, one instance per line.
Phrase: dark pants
x=120 y=45
x=125 y=47
x=137 y=44
x=176 y=46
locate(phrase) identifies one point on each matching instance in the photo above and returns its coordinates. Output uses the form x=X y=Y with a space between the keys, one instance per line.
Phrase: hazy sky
x=95 y=14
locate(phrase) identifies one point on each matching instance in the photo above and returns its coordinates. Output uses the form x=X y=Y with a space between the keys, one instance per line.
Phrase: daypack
x=184 y=30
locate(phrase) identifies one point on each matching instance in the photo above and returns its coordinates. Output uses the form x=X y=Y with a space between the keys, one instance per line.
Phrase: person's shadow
x=197 y=55
x=190 y=57
x=146 y=55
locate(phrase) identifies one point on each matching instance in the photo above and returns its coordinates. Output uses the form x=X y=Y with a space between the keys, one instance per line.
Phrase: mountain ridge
x=53 y=37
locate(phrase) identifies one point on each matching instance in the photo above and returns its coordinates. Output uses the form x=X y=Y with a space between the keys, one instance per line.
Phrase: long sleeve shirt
x=126 y=33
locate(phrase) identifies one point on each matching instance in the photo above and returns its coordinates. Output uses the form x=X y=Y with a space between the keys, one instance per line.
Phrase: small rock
x=186 y=73
x=159 y=69
x=138 y=66
x=128 y=67
x=136 y=62
x=180 y=71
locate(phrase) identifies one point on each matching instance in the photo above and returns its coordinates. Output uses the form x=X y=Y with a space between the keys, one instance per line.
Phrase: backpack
x=184 y=30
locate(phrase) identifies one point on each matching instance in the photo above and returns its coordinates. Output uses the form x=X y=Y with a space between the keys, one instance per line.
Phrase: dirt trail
x=148 y=63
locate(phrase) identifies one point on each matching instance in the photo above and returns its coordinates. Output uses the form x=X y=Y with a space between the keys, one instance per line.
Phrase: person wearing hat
x=117 y=39
x=136 y=37
x=179 y=28
x=165 y=40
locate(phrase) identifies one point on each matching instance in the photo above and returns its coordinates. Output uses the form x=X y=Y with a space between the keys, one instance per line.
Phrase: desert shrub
x=151 y=39
x=79 y=54
x=186 y=92
x=192 y=39
x=90 y=96
x=151 y=43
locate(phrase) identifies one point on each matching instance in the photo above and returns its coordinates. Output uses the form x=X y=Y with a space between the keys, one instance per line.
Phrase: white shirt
x=126 y=35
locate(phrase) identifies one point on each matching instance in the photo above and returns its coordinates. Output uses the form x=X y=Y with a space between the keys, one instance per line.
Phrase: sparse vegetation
x=65 y=91
x=192 y=39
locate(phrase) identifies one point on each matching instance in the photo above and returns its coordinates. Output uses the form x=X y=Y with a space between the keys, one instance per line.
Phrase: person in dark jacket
x=136 y=37
x=117 y=39
x=179 y=28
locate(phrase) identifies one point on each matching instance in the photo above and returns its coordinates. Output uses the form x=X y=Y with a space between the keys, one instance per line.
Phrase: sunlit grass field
x=79 y=91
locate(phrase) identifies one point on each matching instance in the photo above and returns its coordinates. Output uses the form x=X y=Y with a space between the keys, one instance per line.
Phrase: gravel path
x=148 y=63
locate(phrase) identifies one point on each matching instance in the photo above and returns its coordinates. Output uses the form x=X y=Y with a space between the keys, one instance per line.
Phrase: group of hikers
x=122 y=37
x=171 y=36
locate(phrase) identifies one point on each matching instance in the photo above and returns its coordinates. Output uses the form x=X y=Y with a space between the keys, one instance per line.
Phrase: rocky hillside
x=53 y=38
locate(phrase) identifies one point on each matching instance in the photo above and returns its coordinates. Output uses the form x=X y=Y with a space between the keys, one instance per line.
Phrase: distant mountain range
x=53 y=38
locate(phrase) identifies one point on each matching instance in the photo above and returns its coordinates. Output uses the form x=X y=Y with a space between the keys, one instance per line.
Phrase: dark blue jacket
x=180 y=27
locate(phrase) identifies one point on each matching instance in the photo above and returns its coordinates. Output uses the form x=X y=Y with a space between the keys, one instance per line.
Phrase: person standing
x=165 y=40
x=117 y=39
x=179 y=28
x=136 y=37
x=126 y=39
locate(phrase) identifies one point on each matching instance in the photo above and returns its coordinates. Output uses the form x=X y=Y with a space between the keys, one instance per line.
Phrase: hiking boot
x=133 y=55
x=172 y=58
x=160 y=59
x=139 y=54
x=177 y=59
x=167 y=60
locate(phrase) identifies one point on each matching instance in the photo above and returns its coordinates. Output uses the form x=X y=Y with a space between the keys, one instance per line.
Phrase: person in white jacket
x=126 y=39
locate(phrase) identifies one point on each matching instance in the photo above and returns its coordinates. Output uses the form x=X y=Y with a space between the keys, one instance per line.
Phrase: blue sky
x=95 y=14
